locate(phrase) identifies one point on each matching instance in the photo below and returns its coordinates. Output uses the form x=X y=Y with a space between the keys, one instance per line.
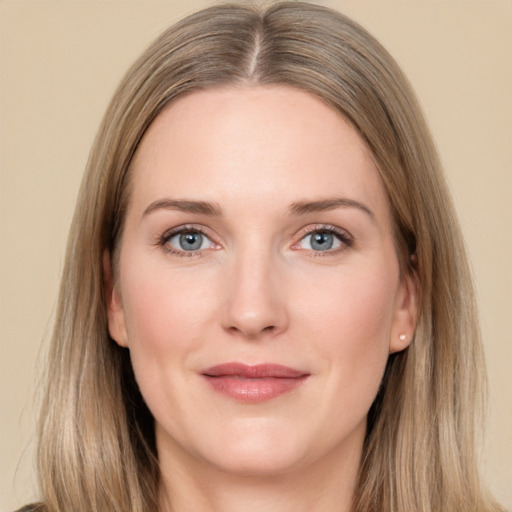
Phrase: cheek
x=355 y=308
x=349 y=322
x=162 y=308
x=166 y=312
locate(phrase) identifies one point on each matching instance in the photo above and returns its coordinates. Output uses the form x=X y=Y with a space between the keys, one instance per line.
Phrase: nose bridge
x=255 y=304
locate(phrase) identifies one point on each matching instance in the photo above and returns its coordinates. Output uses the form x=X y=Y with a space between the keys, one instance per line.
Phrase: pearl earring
x=402 y=337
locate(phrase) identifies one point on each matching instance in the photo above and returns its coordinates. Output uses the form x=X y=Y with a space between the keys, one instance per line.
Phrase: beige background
x=59 y=64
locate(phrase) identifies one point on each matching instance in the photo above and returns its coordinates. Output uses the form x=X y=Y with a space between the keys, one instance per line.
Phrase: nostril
x=252 y=331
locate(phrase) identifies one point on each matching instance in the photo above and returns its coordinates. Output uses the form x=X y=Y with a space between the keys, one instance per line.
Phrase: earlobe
x=405 y=315
x=115 y=313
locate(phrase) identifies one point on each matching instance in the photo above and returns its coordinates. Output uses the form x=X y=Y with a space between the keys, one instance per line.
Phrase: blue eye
x=323 y=240
x=189 y=241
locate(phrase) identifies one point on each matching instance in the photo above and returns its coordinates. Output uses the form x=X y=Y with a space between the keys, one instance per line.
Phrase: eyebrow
x=296 y=208
x=183 y=205
x=304 y=207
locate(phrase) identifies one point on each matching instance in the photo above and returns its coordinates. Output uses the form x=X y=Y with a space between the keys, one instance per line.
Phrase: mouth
x=253 y=384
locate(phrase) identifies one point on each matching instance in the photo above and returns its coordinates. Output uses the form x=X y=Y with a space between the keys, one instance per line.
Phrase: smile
x=253 y=384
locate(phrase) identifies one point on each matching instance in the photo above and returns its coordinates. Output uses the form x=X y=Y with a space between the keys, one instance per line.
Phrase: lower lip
x=254 y=390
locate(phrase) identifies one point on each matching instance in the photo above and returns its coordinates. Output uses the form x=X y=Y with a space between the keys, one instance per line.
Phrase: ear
x=405 y=314
x=115 y=312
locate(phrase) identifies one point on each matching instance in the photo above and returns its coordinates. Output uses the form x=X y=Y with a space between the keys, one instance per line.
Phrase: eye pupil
x=322 y=241
x=191 y=241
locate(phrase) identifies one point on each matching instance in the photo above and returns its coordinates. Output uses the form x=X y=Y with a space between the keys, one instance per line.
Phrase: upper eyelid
x=169 y=233
x=324 y=227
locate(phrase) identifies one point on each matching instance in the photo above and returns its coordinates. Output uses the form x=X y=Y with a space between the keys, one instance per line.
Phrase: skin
x=258 y=292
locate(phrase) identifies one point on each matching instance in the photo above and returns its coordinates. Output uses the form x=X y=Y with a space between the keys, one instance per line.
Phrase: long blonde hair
x=96 y=436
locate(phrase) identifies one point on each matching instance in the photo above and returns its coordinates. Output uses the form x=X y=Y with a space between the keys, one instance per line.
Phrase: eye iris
x=191 y=241
x=322 y=241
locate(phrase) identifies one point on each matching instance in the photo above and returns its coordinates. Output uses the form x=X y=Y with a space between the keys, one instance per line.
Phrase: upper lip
x=258 y=371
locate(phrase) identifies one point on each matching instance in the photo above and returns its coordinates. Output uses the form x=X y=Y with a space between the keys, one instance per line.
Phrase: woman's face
x=259 y=290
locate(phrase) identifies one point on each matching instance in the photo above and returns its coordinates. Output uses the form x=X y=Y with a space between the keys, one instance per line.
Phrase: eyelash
x=343 y=236
x=163 y=241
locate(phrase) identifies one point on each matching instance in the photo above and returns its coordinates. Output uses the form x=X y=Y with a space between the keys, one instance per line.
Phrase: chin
x=258 y=460
x=260 y=447
x=256 y=447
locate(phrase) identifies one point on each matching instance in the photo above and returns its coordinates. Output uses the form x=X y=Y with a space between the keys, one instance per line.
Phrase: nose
x=255 y=305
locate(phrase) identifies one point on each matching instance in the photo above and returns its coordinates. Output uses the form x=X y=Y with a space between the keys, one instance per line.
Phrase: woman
x=266 y=301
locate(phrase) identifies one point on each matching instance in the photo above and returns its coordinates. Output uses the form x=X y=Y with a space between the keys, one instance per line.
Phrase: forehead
x=274 y=142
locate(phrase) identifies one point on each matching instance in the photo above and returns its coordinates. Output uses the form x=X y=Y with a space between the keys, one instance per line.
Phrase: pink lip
x=253 y=384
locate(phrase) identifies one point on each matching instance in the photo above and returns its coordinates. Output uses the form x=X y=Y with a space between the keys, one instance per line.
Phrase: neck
x=326 y=485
